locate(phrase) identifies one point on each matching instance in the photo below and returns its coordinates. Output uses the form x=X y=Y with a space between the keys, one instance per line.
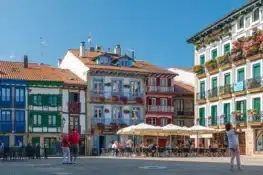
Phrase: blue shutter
x=5 y=139
x=17 y=138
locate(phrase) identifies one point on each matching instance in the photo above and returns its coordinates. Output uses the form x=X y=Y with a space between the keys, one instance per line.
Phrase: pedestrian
x=74 y=144
x=65 y=149
x=233 y=144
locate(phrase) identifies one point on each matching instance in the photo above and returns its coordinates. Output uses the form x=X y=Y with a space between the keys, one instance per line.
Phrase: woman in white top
x=233 y=144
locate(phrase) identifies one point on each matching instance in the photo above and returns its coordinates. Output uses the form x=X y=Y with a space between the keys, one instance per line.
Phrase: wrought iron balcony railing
x=155 y=108
x=119 y=121
x=102 y=95
x=254 y=118
x=213 y=93
x=225 y=90
x=186 y=111
x=201 y=96
x=160 y=89
x=255 y=83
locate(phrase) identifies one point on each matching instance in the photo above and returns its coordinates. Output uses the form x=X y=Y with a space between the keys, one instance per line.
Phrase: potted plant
x=100 y=126
x=252 y=111
x=101 y=98
x=223 y=60
x=198 y=69
x=139 y=100
x=236 y=113
x=106 y=110
x=126 y=111
x=211 y=65
x=124 y=99
x=114 y=98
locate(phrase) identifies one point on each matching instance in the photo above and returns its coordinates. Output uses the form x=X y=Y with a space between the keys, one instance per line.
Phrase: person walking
x=233 y=144
x=65 y=149
x=74 y=145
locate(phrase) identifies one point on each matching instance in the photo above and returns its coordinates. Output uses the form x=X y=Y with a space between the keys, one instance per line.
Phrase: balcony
x=212 y=121
x=117 y=97
x=5 y=126
x=225 y=91
x=202 y=121
x=255 y=118
x=160 y=89
x=239 y=119
x=121 y=122
x=213 y=95
x=239 y=88
x=160 y=109
x=74 y=107
x=186 y=112
x=201 y=97
x=255 y=84
x=20 y=127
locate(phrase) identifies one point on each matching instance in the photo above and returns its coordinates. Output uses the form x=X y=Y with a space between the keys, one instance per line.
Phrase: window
x=227 y=79
x=202 y=88
x=52 y=100
x=257 y=104
x=202 y=116
x=180 y=105
x=240 y=75
x=256 y=15
x=214 y=83
x=98 y=111
x=241 y=106
x=152 y=101
x=97 y=85
x=124 y=62
x=256 y=70
x=104 y=60
x=116 y=85
x=180 y=122
x=240 y=24
x=163 y=101
x=135 y=113
x=226 y=48
x=227 y=112
x=152 y=121
x=74 y=96
x=20 y=95
x=5 y=116
x=164 y=121
x=37 y=120
x=202 y=59
x=37 y=100
x=164 y=82
x=214 y=54
x=135 y=87
x=6 y=94
x=116 y=112
x=247 y=21
x=152 y=82
x=74 y=123
x=214 y=115
x=19 y=116
x=52 y=120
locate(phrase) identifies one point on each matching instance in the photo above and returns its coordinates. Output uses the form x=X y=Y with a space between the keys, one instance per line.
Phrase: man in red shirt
x=74 y=143
x=65 y=149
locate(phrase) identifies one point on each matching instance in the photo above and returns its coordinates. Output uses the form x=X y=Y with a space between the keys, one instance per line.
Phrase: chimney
x=132 y=54
x=117 y=49
x=25 y=61
x=82 y=49
x=59 y=62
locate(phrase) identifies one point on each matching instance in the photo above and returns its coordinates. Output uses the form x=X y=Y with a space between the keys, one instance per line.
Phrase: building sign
x=108 y=131
x=239 y=86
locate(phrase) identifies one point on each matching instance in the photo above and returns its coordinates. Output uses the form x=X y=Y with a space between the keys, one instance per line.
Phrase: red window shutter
x=169 y=82
x=169 y=121
x=158 y=121
x=158 y=81
x=169 y=101
x=149 y=101
x=158 y=101
x=147 y=120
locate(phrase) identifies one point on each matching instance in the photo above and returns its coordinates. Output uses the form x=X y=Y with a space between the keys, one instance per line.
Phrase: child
x=233 y=144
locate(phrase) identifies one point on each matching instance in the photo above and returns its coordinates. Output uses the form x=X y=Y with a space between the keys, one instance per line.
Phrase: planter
x=100 y=126
x=124 y=100
x=213 y=71
x=202 y=75
x=101 y=98
x=139 y=100
x=225 y=66
x=255 y=57
x=239 y=62
x=115 y=98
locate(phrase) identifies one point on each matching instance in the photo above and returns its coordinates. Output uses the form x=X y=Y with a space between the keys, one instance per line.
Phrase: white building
x=228 y=65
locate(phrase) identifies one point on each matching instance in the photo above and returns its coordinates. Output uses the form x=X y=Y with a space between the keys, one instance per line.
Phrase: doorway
x=101 y=143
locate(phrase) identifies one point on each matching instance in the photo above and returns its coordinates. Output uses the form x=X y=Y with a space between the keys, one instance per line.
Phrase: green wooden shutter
x=202 y=88
x=58 y=120
x=30 y=99
x=214 y=83
x=214 y=115
x=214 y=54
x=59 y=100
x=227 y=48
x=201 y=116
x=44 y=119
x=240 y=75
x=256 y=70
x=227 y=79
x=202 y=59
x=256 y=104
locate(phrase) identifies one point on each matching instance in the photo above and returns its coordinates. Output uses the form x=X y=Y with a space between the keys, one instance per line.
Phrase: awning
x=202 y=136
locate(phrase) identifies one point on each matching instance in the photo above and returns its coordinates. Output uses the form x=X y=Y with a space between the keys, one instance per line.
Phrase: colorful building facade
x=228 y=67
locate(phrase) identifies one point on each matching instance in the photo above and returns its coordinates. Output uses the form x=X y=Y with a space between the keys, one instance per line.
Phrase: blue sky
x=156 y=29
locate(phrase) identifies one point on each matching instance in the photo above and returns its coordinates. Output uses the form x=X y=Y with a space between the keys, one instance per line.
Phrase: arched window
x=240 y=24
x=256 y=15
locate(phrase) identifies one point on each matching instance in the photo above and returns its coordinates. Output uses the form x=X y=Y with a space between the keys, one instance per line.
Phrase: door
x=214 y=87
x=101 y=143
x=242 y=143
x=202 y=116
x=35 y=140
x=240 y=75
x=202 y=89
x=214 y=115
x=162 y=143
x=256 y=70
x=227 y=113
x=51 y=145
x=74 y=123
x=5 y=140
x=17 y=139
x=241 y=106
x=227 y=79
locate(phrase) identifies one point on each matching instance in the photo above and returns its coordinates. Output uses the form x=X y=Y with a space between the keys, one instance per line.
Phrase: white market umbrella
x=146 y=129
x=198 y=129
x=126 y=131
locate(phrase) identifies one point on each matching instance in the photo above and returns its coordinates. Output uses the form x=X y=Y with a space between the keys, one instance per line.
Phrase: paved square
x=113 y=166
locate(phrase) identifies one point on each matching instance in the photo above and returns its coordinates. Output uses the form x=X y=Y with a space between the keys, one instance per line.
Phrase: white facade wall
x=73 y=63
x=248 y=67
x=185 y=77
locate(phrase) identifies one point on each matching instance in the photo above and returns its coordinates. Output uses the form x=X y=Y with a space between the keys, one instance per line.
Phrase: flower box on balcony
x=211 y=66
x=224 y=62
x=115 y=98
x=139 y=100
x=114 y=126
x=236 y=113
x=100 y=126
x=101 y=98
x=124 y=100
x=200 y=71
x=255 y=57
x=252 y=111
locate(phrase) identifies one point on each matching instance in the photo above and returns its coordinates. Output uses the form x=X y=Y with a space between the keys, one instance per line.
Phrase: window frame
x=152 y=121
x=253 y=15
x=241 y=19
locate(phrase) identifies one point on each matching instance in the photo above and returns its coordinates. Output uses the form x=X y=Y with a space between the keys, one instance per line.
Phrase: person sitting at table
x=168 y=148
x=152 y=147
